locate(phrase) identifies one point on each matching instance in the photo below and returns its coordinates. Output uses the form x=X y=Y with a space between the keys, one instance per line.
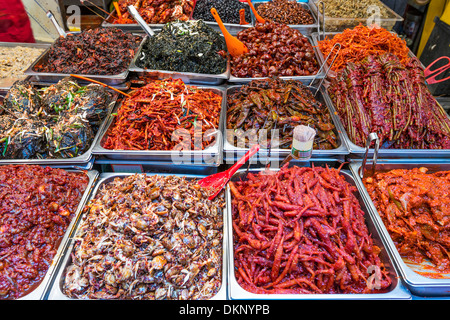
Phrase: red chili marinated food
x=274 y=50
x=36 y=206
x=302 y=231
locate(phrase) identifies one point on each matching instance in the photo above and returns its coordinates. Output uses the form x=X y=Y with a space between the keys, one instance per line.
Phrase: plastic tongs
x=218 y=180
x=431 y=75
x=60 y=30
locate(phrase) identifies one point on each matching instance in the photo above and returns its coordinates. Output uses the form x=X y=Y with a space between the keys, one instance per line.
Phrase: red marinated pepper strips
x=36 y=206
x=312 y=239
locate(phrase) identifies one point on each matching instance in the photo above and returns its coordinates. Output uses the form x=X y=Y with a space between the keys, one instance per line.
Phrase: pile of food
x=99 y=51
x=153 y=12
x=37 y=205
x=285 y=11
x=15 y=60
x=302 y=231
x=274 y=50
x=161 y=111
x=352 y=8
x=414 y=205
x=275 y=103
x=190 y=46
x=362 y=41
x=148 y=237
x=59 y=121
x=380 y=94
x=228 y=10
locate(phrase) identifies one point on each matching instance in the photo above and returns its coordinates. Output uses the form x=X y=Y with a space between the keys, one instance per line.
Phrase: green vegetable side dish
x=190 y=46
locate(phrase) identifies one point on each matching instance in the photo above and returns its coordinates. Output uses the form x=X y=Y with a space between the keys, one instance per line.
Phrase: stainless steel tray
x=232 y=153
x=55 y=291
x=211 y=156
x=38 y=293
x=358 y=152
x=305 y=29
x=305 y=79
x=187 y=77
x=417 y=284
x=397 y=290
x=6 y=83
x=79 y=161
x=112 y=80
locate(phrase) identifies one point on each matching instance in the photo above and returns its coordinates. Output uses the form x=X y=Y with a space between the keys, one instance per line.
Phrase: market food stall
x=106 y=133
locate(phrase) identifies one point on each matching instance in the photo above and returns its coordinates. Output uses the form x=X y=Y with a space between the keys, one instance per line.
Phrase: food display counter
x=153 y=115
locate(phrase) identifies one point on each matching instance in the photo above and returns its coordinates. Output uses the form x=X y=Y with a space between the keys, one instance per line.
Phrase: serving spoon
x=257 y=16
x=234 y=45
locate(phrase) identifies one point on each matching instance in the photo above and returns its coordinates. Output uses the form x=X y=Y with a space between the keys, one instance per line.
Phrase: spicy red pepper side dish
x=302 y=231
x=36 y=206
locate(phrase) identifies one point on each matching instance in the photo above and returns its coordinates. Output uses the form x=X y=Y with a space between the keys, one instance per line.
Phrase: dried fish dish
x=153 y=12
x=275 y=49
x=99 y=51
x=15 y=60
x=58 y=122
x=148 y=237
x=301 y=230
x=36 y=206
x=190 y=46
x=414 y=205
x=274 y=103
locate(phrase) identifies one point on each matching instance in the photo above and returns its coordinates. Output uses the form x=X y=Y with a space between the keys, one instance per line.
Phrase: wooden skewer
x=101 y=9
x=100 y=83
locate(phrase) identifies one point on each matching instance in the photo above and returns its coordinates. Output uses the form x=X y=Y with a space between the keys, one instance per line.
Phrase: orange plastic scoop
x=257 y=16
x=234 y=45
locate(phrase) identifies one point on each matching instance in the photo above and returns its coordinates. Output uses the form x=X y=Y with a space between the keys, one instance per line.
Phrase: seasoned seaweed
x=59 y=96
x=21 y=98
x=181 y=46
x=25 y=140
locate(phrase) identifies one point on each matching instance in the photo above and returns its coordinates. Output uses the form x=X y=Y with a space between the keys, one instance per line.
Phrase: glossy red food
x=36 y=206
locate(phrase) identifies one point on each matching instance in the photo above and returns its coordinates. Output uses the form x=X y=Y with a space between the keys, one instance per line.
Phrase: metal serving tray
x=83 y=160
x=305 y=29
x=397 y=291
x=56 y=293
x=113 y=80
x=232 y=153
x=359 y=152
x=6 y=83
x=187 y=77
x=210 y=156
x=410 y=272
x=39 y=291
x=304 y=79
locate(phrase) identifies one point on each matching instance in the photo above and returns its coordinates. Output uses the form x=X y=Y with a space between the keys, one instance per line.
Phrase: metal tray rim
x=54 y=292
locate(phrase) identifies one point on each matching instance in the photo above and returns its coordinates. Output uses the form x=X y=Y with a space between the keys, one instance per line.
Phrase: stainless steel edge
x=213 y=153
x=417 y=284
x=397 y=292
x=112 y=80
x=55 y=292
x=80 y=160
x=232 y=153
x=39 y=292
x=305 y=79
x=305 y=29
